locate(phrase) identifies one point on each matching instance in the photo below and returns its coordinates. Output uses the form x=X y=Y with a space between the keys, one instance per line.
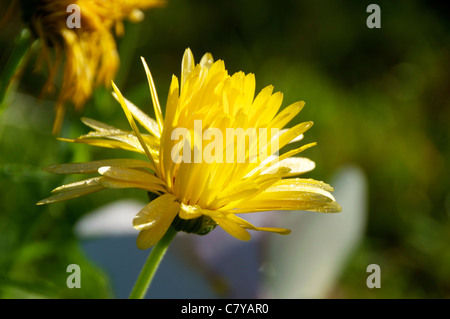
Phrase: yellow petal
x=155 y=210
x=297 y=165
x=133 y=124
x=289 y=184
x=262 y=182
x=296 y=151
x=276 y=230
x=273 y=159
x=272 y=107
x=190 y=211
x=293 y=194
x=247 y=225
x=295 y=139
x=74 y=190
x=127 y=138
x=286 y=115
x=97 y=125
x=293 y=133
x=154 y=220
x=139 y=177
x=117 y=184
x=224 y=220
x=104 y=143
x=231 y=227
x=155 y=100
x=259 y=104
x=172 y=102
x=92 y=167
x=187 y=65
x=150 y=124
x=206 y=61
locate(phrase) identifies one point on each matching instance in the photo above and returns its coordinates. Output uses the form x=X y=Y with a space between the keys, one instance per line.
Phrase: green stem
x=14 y=62
x=151 y=265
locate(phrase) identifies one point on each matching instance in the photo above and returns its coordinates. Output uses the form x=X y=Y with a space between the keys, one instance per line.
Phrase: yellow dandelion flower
x=88 y=51
x=201 y=182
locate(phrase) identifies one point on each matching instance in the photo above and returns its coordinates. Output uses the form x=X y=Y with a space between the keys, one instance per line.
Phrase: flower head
x=88 y=52
x=203 y=177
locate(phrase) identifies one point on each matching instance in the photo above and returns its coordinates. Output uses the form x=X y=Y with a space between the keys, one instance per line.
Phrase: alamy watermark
x=374 y=19
x=238 y=145
x=74 y=279
x=374 y=279
x=74 y=19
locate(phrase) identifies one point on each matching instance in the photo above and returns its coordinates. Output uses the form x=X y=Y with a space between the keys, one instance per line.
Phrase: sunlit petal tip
x=207 y=60
x=104 y=170
x=333 y=207
x=297 y=139
x=300 y=105
x=138 y=225
x=279 y=231
x=136 y=15
x=117 y=92
x=187 y=65
x=154 y=95
x=63 y=139
x=116 y=89
x=73 y=190
x=144 y=63
x=188 y=58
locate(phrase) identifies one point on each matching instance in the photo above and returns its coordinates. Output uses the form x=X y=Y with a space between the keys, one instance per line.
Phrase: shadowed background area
x=380 y=102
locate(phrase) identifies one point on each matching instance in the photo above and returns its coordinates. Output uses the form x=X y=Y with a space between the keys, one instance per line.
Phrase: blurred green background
x=379 y=99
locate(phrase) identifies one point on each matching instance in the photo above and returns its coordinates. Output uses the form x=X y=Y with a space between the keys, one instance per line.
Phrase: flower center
x=201 y=225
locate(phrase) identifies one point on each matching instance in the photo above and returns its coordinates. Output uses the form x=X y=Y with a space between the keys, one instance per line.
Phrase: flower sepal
x=201 y=225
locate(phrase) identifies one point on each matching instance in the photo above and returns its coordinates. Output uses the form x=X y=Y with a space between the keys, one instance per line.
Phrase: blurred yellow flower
x=196 y=195
x=88 y=53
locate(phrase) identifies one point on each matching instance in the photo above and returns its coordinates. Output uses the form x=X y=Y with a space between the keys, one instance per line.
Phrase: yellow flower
x=88 y=54
x=196 y=195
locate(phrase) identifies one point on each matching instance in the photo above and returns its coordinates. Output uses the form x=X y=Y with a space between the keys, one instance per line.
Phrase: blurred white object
x=114 y=219
x=307 y=263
